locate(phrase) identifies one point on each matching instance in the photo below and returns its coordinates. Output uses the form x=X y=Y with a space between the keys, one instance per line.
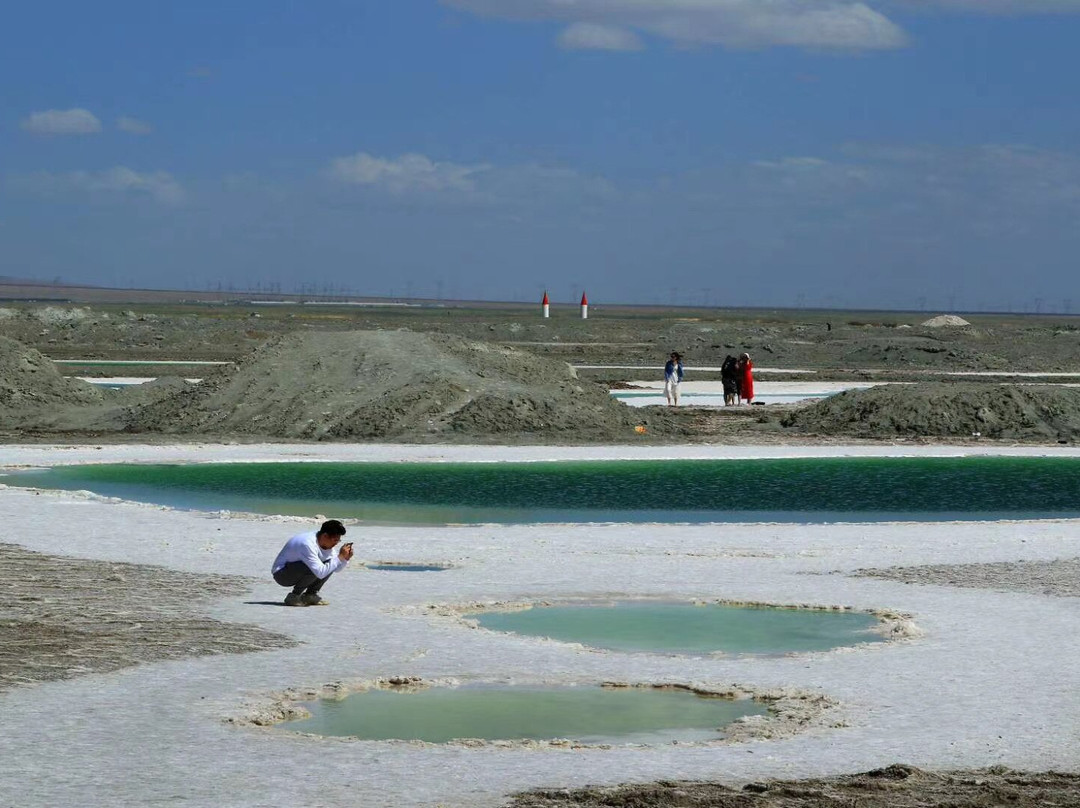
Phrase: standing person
x=746 y=378
x=673 y=373
x=729 y=376
x=307 y=561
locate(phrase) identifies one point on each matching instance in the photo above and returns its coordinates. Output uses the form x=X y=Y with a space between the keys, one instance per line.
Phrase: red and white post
x=546 y=306
x=584 y=307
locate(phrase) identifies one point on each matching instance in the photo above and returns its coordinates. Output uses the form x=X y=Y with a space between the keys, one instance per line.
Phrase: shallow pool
x=685 y=628
x=588 y=713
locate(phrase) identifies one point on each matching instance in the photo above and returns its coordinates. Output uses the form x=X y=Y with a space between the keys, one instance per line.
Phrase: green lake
x=797 y=489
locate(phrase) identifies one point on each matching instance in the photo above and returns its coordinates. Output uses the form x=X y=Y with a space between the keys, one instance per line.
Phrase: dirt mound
x=946 y=321
x=29 y=381
x=391 y=384
x=943 y=409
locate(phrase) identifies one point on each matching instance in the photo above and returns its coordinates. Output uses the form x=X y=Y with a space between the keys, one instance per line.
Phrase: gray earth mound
x=391 y=384
x=29 y=381
x=941 y=409
x=946 y=321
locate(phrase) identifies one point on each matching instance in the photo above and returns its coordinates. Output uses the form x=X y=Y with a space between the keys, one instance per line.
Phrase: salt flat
x=992 y=681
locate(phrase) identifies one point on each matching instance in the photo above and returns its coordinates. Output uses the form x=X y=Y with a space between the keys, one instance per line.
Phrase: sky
x=913 y=154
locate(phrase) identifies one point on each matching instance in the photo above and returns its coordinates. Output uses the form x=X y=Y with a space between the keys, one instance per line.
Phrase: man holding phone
x=308 y=560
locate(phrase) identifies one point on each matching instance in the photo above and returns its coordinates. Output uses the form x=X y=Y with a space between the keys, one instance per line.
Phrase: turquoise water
x=800 y=490
x=683 y=628
x=589 y=714
x=405 y=568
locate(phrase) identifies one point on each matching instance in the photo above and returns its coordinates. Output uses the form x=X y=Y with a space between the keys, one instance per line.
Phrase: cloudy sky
x=883 y=153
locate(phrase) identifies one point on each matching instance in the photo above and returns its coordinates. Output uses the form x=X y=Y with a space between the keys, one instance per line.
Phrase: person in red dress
x=746 y=378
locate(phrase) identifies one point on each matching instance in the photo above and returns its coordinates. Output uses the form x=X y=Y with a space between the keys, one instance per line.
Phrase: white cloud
x=993 y=6
x=851 y=25
x=825 y=24
x=405 y=174
x=159 y=185
x=133 y=126
x=989 y=188
x=793 y=163
x=510 y=188
x=75 y=121
x=593 y=36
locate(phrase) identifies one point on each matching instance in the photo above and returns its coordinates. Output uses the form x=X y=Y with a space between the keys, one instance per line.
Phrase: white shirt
x=304 y=547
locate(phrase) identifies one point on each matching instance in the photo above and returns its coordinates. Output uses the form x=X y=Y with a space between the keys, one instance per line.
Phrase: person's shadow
x=264 y=603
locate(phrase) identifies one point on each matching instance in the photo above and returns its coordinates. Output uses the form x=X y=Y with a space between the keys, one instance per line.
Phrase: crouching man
x=308 y=560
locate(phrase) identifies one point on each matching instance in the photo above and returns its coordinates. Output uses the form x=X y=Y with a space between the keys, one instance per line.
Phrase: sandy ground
x=992 y=681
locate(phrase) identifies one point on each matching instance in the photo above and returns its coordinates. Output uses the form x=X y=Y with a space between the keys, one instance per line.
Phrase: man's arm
x=322 y=568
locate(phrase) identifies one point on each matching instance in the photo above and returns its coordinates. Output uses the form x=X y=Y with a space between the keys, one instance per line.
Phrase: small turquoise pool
x=588 y=714
x=685 y=628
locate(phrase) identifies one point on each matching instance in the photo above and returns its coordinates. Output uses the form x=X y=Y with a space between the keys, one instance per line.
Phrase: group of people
x=737 y=376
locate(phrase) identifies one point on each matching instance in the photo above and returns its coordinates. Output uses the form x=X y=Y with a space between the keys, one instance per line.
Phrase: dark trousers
x=299 y=576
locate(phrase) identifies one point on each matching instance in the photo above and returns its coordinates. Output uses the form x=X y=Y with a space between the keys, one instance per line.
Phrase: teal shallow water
x=819 y=489
x=682 y=628
x=589 y=714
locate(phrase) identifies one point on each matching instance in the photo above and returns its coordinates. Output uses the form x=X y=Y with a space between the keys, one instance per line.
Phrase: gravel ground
x=61 y=617
x=1056 y=578
x=895 y=786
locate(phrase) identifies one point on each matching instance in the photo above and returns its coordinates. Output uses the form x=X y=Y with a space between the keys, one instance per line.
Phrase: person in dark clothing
x=729 y=376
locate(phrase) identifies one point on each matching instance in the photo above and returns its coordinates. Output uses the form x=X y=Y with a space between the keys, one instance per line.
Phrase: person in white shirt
x=673 y=373
x=308 y=560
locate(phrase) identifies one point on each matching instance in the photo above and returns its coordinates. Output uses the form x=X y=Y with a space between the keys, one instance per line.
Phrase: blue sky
x=885 y=153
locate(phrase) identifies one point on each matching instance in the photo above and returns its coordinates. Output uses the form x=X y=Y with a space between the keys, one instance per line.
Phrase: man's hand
x=346 y=551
